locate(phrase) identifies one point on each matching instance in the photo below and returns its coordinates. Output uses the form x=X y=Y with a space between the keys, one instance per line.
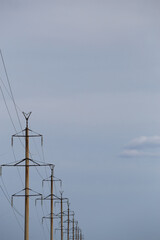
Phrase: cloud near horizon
x=142 y=147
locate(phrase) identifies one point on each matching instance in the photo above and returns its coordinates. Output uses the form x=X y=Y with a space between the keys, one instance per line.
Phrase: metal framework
x=61 y=213
x=27 y=162
x=27 y=192
x=51 y=197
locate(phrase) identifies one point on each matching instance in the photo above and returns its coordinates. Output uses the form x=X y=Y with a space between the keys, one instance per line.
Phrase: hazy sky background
x=89 y=72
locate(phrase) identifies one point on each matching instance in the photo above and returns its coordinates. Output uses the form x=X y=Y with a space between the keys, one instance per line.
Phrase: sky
x=89 y=72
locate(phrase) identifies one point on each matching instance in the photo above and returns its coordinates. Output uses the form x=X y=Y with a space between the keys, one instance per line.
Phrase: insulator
x=41 y=200
x=41 y=140
x=0 y=170
x=12 y=201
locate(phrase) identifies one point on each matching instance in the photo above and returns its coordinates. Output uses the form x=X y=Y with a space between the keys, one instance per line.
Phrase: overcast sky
x=89 y=72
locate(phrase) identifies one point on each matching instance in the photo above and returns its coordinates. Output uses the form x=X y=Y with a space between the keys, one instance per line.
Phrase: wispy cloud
x=144 y=142
x=142 y=147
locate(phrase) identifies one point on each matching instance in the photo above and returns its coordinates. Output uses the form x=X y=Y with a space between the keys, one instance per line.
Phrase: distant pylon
x=51 y=197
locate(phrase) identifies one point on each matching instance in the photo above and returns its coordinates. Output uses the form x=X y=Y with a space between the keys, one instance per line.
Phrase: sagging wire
x=13 y=209
x=16 y=107
x=8 y=109
x=40 y=223
x=8 y=197
x=44 y=160
x=45 y=221
x=9 y=93
x=17 y=167
x=11 y=121
x=10 y=115
x=7 y=77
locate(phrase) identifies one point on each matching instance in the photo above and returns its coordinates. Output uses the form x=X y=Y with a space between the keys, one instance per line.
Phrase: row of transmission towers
x=65 y=215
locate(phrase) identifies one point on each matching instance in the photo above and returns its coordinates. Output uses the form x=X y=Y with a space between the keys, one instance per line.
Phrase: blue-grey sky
x=89 y=72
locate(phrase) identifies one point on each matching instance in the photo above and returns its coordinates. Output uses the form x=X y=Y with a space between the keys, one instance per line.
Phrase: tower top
x=26 y=115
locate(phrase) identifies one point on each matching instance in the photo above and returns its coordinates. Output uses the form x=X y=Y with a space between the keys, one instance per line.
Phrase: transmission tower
x=27 y=162
x=51 y=197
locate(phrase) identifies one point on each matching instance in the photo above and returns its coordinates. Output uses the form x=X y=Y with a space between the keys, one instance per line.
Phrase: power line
x=8 y=92
x=13 y=209
x=40 y=223
x=5 y=69
x=9 y=114
x=17 y=167
x=45 y=221
x=43 y=156
x=8 y=109
x=12 y=124
x=7 y=194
